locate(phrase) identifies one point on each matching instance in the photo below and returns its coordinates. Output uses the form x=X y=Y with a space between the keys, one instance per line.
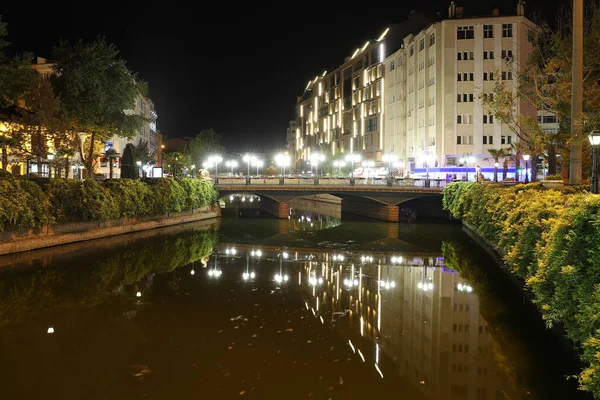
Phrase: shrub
x=23 y=205
x=551 y=239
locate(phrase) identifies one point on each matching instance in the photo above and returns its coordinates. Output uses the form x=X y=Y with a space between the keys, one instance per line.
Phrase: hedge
x=26 y=205
x=551 y=239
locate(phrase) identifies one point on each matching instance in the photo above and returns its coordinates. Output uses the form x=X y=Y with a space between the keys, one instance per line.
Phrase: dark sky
x=236 y=69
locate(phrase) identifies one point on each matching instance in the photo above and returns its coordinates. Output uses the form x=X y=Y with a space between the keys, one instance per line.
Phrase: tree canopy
x=206 y=143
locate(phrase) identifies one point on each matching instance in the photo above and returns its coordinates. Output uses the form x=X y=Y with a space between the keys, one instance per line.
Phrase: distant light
x=192 y=272
x=252 y=275
x=243 y=199
x=251 y=199
x=285 y=278
x=378 y=370
x=393 y=284
x=430 y=286
x=138 y=294
x=245 y=276
x=355 y=52
x=365 y=46
x=355 y=282
x=320 y=281
x=383 y=35
x=230 y=198
x=285 y=255
x=50 y=330
x=351 y=346
x=323 y=322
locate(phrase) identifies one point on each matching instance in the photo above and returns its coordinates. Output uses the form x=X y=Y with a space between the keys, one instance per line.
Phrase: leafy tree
x=176 y=162
x=206 y=143
x=96 y=88
x=111 y=155
x=271 y=170
x=497 y=154
x=65 y=153
x=142 y=154
x=6 y=142
x=128 y=167
x=16 y=75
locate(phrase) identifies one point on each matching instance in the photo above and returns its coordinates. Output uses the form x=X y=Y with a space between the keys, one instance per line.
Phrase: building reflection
x=405 y=314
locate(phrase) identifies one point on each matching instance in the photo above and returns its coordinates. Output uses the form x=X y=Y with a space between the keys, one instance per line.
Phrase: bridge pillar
x=377 y=211
x=275 y=208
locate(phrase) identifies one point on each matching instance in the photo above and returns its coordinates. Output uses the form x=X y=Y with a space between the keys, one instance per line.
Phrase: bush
x=551 y=239
x=24 y=204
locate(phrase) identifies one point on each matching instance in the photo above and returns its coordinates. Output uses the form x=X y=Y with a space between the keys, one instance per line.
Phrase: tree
x=111 y=155
x=142 y=154
x=16 y=75
x=128 y=167
x=206 y=143
x=176 y=162
x=96 y=88
x=6 y=142
x=271 y=170
x=497 y=154
x=65 y=153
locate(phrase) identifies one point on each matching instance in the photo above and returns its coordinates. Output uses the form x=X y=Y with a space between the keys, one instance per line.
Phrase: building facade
x=436 y=84
x=419 y=97
x=341 y=111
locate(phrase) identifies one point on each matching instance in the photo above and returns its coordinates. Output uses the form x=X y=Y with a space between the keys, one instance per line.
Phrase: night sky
x=236 y=69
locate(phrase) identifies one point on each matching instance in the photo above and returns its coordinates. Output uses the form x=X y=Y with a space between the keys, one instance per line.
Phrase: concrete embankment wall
x=59 y=234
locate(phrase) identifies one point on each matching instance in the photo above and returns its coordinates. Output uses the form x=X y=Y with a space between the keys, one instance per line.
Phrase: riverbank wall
x=66 y=233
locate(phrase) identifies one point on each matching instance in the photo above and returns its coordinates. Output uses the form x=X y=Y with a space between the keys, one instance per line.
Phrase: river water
x=319 y=306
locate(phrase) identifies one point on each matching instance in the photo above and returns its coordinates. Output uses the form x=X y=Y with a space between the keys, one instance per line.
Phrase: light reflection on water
x=181 y=316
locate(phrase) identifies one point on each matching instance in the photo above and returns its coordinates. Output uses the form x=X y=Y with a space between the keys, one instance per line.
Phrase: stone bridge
x=379 y=199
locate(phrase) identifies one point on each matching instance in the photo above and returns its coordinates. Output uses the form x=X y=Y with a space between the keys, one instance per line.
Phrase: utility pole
x=576 y=92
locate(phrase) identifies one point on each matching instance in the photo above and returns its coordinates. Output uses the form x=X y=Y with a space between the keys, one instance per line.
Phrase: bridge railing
x=291 y=181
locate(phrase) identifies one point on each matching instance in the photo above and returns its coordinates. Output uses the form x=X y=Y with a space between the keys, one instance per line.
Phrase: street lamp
x=526 y=158
x=248 y=158
x=214 y=160
x=282 y=160
x=315 y=159
x=258 y=164
x=427 y=159
x=353 y=158
x=466 y=159
x=339 y=164
x=595 y=141
x=390 y=159
x=50 y=158
x=496 y=165
x=233 y=164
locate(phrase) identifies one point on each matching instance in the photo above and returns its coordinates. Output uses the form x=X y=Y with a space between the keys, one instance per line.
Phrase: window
x=488 y=55
x=459 y=76
x=466 y=32
x=392 y=66
x=507 y=54
x=465 y=97
x=412 y=51
x=465 y=76
x=503 y=140
x=432 y=39
x=421 y=44
x=491 y=140
x=488 y=76
x=484 y=137
x=507 y=30
x=507 y=76
x=491 y=54
x=471 y=76
x=470 y=142
x=459 y=119
x=549 y=119
x=509 y=139
x=471 y=97
x=485 y=76
x=458 y=98
x=459 y=56
x=488 y=31
x=488 y=119
x=471 y=55
x=458 y=141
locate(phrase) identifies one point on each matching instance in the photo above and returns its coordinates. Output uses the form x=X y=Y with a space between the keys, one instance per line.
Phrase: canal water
x=319 y=306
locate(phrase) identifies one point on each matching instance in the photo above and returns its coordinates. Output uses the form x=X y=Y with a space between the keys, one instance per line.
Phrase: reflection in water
x=179 y=316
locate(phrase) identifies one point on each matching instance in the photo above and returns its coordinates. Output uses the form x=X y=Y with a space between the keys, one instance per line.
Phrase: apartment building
x=436 y=82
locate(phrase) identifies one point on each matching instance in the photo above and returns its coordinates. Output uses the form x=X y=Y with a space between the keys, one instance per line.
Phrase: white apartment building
x=435 y=83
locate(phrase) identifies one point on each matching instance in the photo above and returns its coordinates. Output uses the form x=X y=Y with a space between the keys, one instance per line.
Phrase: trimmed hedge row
x=24 y=204
x=551 y=239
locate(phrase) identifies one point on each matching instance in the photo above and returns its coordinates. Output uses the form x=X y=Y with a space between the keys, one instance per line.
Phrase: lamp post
x=282 y=160
x=233 y=164
x=466 y=159
x=214 y=160
x=315 y=159
x=248 y=158
x=390 y=159
x=50 y=158
x=526 y=158
x=258 y=164
x=595 y=142
x=496 y=165
x=339 y=164
x=352 y=158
